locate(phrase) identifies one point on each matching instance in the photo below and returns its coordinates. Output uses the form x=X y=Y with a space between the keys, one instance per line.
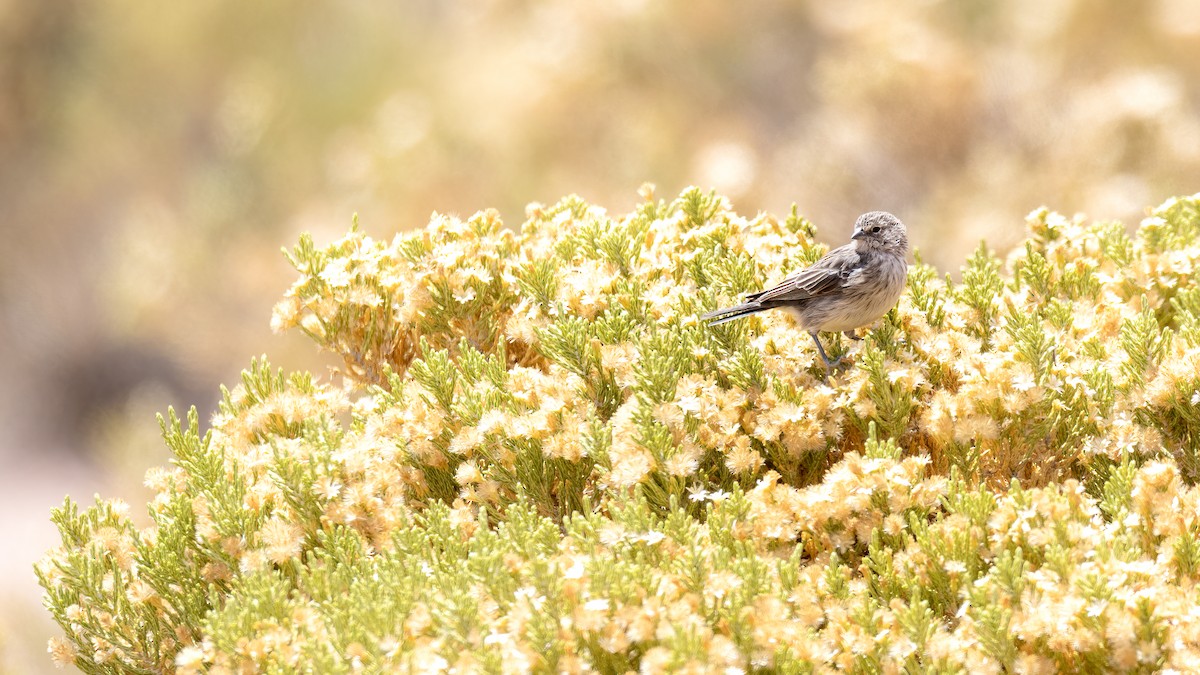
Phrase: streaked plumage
x=850 y=287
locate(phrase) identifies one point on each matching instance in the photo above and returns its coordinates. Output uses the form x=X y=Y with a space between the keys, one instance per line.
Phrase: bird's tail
x=730 y=313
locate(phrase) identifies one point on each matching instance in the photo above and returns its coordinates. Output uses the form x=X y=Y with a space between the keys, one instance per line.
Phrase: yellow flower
x=282 y=540
x=742 y=459
x=62 y=651
x=336 y=273
x=190 y=659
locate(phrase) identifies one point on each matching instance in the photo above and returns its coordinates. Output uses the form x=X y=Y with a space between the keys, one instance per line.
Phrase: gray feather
x=849 y=287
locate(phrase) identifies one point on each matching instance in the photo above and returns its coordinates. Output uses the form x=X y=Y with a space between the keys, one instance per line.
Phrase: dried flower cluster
x=541 y=461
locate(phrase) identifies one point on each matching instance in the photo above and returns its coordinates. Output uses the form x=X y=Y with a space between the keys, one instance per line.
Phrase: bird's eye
x=875 y=229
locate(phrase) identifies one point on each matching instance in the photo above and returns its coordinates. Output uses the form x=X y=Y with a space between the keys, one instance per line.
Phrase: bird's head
x=881 y=230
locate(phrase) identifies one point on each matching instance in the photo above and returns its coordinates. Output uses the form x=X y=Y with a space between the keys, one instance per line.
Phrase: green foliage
x=980 y=291
x=1144 y=346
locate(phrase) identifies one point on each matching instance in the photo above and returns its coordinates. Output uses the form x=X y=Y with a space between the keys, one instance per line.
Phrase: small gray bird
x=851 y=286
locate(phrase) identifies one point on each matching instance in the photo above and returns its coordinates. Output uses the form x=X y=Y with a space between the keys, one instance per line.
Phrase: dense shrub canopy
x=536 y=458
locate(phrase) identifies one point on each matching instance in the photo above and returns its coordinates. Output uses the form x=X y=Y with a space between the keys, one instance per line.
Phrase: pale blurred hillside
x=155 y=156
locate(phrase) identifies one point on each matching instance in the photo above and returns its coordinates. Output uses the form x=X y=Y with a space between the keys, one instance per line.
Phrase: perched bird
x=851 y=286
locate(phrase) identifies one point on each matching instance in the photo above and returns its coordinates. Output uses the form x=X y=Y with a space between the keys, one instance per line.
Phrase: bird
x=849 y=287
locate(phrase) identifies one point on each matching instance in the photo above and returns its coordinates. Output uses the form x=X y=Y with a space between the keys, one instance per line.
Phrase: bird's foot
x=833 y=365
x=829 y=365
x=852 y=335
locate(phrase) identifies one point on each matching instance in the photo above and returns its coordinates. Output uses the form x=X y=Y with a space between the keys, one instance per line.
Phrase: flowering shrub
x=540 y=460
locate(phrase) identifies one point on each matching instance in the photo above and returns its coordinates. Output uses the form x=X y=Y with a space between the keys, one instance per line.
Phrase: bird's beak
x=858 y=234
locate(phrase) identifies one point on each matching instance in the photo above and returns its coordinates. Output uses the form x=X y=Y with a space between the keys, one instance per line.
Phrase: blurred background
x=154 y=157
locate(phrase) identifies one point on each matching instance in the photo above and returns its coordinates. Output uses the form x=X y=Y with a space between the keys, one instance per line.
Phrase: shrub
x=538 y=459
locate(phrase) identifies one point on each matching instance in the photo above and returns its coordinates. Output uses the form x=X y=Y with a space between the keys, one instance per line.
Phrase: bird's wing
x=832 y=272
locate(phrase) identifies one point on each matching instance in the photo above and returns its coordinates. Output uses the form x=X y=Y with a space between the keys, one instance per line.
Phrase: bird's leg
x=852 y=335
x=829 y=365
